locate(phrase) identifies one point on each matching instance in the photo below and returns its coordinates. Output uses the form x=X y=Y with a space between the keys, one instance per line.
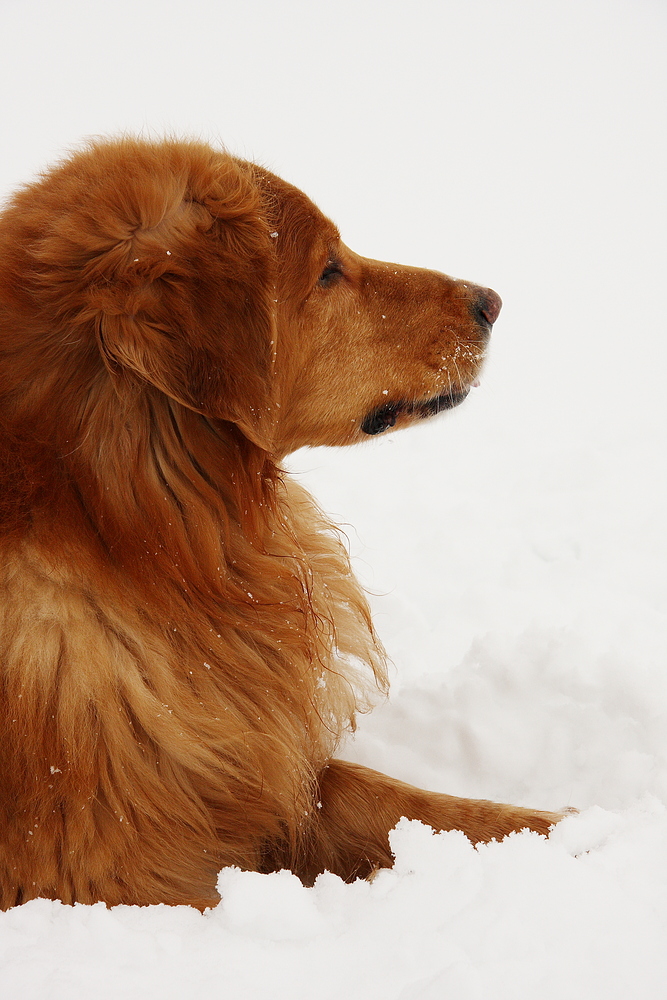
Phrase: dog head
x=227 y=290
x=363 y=345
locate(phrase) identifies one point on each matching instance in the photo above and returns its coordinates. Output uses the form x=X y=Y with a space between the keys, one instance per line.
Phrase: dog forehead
x=298 y=222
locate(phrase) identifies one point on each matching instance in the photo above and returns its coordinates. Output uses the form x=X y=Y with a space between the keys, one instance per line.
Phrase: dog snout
x=487 y=306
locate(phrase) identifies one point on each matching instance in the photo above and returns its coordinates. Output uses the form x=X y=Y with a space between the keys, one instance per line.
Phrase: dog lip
x=445 y=401
x=382 y=418
x=385 y=416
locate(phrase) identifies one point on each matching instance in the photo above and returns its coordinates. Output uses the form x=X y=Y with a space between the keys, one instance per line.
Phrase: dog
x=182 y=641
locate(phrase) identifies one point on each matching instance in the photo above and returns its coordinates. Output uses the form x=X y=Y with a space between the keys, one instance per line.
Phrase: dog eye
x=330 y=274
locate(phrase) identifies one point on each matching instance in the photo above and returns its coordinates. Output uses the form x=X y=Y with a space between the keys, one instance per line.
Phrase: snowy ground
x=516 y=548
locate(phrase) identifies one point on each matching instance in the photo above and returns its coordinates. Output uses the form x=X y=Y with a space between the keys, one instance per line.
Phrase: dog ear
x=184 y=299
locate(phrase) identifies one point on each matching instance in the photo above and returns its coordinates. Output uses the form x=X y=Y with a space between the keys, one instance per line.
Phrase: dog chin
x=385 y=416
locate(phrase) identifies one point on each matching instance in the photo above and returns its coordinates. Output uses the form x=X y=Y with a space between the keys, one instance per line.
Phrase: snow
x=575 y=916
x=516 y=547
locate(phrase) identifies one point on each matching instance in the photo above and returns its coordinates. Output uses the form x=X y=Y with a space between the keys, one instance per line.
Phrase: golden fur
x=182 y=642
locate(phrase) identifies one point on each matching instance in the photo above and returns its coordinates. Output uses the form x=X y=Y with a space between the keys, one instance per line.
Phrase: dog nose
x=489 y=305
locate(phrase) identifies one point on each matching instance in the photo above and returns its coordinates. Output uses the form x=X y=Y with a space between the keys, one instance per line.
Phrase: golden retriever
x=183 y=643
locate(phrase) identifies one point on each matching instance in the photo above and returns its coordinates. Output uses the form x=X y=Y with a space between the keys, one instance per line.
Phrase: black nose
x=488 y=305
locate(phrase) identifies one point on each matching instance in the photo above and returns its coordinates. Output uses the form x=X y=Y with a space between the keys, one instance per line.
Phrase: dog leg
x=358 y=807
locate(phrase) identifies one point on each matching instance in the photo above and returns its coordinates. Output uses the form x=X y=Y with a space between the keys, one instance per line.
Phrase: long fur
x=182 y=641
